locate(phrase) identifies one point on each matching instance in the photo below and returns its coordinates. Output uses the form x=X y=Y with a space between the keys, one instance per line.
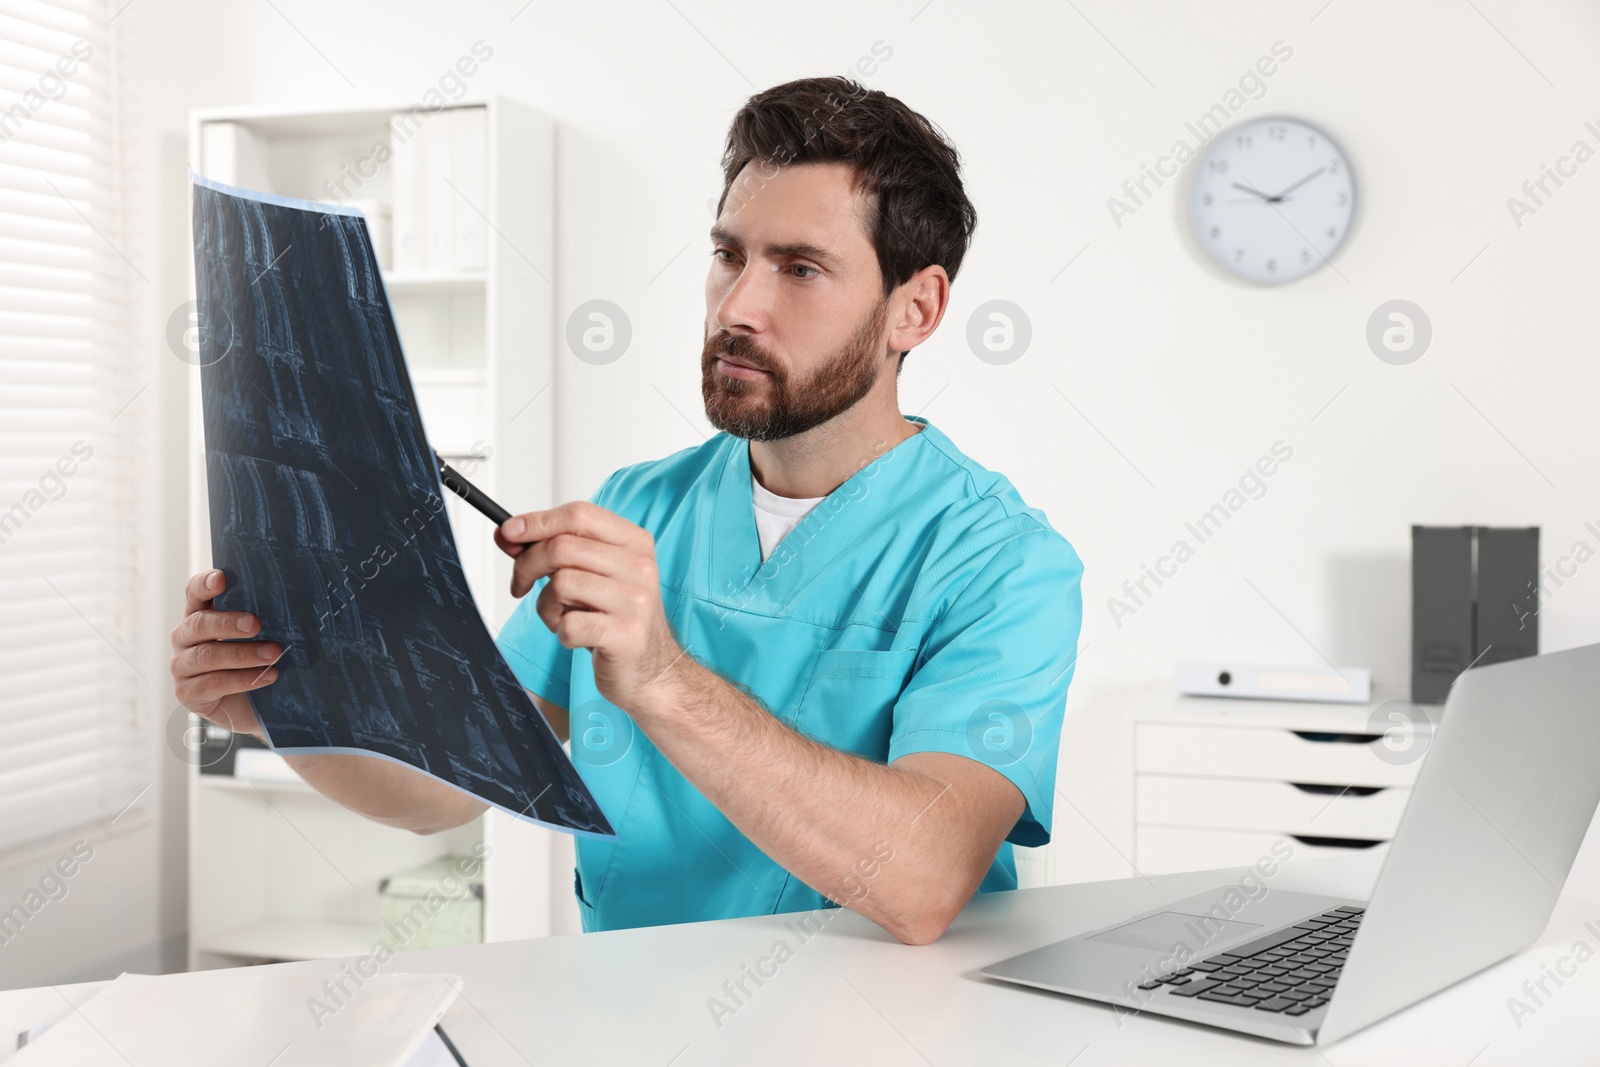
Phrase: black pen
x=457 y=484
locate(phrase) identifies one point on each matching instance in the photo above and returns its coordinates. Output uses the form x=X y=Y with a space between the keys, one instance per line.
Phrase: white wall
x=1179 y=378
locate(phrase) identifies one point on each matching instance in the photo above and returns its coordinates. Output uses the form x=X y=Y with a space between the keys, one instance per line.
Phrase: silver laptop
x=1499 y=808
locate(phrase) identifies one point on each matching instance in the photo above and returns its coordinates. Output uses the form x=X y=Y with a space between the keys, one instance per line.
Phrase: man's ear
x=917 y=306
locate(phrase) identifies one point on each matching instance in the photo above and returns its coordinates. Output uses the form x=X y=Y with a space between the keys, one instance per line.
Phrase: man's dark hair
x=906 y=167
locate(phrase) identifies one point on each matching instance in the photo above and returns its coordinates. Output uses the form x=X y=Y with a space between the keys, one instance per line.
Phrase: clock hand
x=1250 y=189
x=1296 y=185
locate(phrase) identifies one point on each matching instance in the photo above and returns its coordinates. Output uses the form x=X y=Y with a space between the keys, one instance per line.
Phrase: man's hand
x=212 y=671
x=604 y=593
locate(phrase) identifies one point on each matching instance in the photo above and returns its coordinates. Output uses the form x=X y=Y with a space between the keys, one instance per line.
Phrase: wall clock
x=1272 y=200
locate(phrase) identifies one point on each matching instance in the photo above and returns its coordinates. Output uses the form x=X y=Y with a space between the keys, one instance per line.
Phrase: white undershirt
x=777 y=515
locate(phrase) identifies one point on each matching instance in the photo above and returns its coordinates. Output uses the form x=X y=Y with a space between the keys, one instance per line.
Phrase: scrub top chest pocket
x=849 y=702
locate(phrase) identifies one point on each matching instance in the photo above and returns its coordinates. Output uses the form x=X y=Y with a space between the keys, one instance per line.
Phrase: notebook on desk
x=249 y=1015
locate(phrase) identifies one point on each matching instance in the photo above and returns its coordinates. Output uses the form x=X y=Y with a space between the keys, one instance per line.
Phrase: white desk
x=852 y=995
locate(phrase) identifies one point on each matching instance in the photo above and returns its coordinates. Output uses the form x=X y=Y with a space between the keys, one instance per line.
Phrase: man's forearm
x=387 y=792
x=821 y=813
x=399 y=796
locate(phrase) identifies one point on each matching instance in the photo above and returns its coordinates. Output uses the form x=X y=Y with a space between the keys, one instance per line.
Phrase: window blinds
x=71 y=755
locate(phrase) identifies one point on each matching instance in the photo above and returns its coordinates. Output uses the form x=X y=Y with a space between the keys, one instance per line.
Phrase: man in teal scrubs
x=820 y=659
x=823 y=656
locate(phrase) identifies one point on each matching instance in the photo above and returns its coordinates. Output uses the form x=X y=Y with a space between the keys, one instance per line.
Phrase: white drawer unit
x=1167 y=849
x=1329 y=757
x=1312 y=810
x=1221 y=783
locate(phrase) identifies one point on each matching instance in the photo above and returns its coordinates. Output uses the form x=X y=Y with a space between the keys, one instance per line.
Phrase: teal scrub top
x=921 y=607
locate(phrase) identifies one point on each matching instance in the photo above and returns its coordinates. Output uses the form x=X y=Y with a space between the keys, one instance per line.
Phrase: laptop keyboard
x=1290 y=971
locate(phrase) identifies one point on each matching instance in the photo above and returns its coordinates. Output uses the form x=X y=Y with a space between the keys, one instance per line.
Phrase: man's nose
x=743 y=306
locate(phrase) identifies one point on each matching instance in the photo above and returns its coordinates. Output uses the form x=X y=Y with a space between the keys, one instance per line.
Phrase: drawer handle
x=1339 y=739
x=1337 y=790
x=1335 y=842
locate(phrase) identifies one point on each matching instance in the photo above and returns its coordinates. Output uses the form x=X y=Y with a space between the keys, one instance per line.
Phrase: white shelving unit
x=276 y=870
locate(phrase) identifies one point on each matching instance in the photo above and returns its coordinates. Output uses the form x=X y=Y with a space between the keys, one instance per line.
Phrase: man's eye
x=722 y=255
x=802 y=267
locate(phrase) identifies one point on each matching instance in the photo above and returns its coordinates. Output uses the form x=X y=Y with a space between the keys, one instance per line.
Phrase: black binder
x=1474 y=600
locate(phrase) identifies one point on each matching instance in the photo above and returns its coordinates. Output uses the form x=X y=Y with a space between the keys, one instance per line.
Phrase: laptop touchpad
x=1169 y=928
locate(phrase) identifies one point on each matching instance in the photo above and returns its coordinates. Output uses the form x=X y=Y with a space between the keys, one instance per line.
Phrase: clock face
x=1272 y=200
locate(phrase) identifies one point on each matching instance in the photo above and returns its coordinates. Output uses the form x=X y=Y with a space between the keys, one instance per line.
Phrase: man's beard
x=777 y=407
